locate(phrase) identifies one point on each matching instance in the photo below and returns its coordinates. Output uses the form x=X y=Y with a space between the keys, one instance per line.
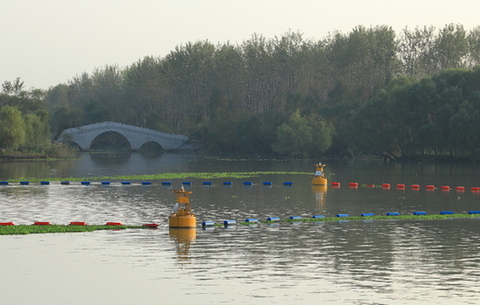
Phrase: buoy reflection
x=320 y=195
x=183 y=237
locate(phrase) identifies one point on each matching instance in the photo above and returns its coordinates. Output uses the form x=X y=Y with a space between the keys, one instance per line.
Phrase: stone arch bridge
x=136 y=136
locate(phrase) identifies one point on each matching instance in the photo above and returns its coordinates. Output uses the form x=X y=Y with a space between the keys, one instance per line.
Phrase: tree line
x=287 y=95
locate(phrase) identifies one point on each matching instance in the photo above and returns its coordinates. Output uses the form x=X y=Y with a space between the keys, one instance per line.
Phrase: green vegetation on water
x=41 y=229
x=167 y=176
x=379 y=217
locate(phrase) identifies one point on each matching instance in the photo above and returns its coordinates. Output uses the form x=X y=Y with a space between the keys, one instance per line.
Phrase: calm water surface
x=354 y=262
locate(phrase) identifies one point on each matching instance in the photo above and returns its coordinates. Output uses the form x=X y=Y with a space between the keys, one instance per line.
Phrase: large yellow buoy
x=182 y=215
x=319 y=178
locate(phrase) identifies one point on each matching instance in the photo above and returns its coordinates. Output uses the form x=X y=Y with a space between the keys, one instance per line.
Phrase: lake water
x=344 y=262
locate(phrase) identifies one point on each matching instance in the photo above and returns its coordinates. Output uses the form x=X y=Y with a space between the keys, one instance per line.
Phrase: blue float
x=44 y=182
x=105 y=182
x=166 y=183
x=446 y=213
x=420 y=213
x=367 y=214
x=146 y=183
x=267 y=183
x=343 y=215
x=288 y=183
x=273 y=218
x=318 y=216
x=207 y=183
x=126 y=182
x=251 y=220
x=3 y=182
x=186 y=183
x=229 y=222
x=247 y=183
x=65 y=182
x=227 y=183
x=24 y=182
x=393 y=214
x=295 y=217
x=85 y=182
x=208 y=224
x=473 y=212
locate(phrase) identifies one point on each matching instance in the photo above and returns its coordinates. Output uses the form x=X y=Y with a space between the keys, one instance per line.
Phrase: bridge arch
x=83 y=136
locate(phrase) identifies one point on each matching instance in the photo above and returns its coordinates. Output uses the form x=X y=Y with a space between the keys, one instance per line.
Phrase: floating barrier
x=415 y=186
x=475 y=189
x=78 y=223
x=208 y=224
x=125 y=182
x=7 y=224
x=400 y=186
x=3 y=182
x=393 y=214
x=385 y=185
x=186 y=183
x=353 y=184
x=335 y=184
x=251 y=220
x=446 y=213
x=419 y=213
x=105 y=182
x=445 y=188
x=267 y=183
x=247 y=183
x=228 y=183
x=150 y=225
x=367 y=214
x=44 y=182
x=229 y=222
x=146 y=182
x=24 y=182
x=295 y=217
x=288 y=183
x=273 y=218
x=206 y=183
x=370 y=185
x=460 y=188
x=85 y=182
x=343 y=215
x=65 y=182
x=473 y=212
x=318 y=216
x=41 y=223
x=166 y=183
x=114 y=224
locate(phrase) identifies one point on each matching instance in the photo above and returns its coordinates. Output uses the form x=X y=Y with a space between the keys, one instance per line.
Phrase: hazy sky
x=47 y=42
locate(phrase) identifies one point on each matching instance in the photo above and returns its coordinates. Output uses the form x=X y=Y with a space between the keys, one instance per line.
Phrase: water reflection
x=183 y=238
x=320 y=192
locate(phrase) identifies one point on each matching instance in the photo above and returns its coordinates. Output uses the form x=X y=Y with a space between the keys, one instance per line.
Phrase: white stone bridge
x=136 y=136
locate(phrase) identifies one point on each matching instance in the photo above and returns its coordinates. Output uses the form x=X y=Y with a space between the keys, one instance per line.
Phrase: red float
x=114 y=224
x=7 y=224
x=151 y=225
x=41 y=223
x=78 y=223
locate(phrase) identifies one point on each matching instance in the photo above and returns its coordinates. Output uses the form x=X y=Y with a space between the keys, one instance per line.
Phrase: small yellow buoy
x=319 y=178
x=182 y=215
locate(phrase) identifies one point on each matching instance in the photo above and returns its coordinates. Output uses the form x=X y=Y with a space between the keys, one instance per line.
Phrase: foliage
x=370 y=90
x=12 y=133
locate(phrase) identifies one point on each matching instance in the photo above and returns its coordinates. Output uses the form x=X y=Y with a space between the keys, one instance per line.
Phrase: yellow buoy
x=182 y=216
x=319 y=178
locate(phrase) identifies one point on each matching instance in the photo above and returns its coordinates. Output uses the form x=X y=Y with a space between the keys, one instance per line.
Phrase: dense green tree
x=12 y=128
